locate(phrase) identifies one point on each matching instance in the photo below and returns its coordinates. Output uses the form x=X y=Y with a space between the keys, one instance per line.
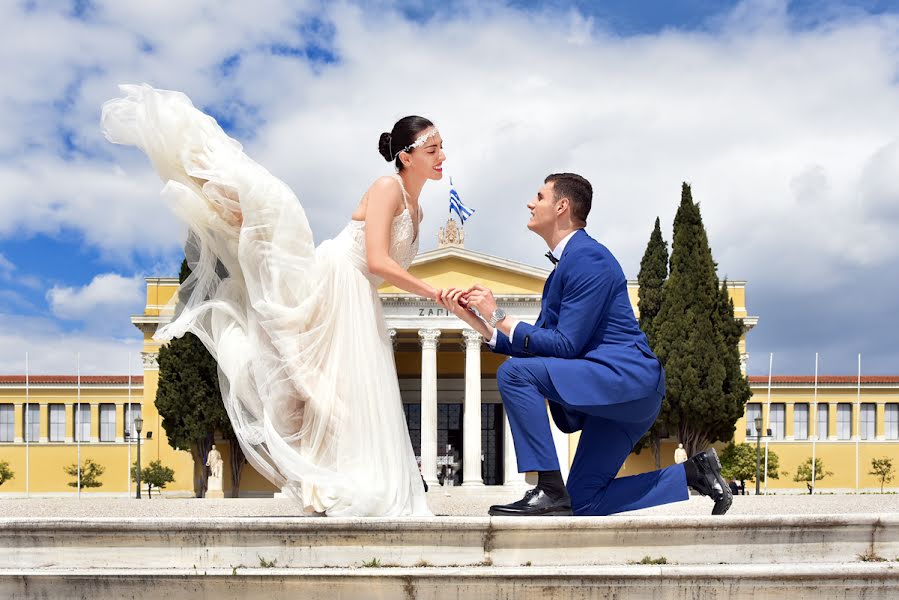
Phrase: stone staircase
x=820 y=557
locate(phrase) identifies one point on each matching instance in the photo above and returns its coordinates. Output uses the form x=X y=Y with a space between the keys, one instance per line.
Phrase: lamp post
x=138 y=426
x=758 y=452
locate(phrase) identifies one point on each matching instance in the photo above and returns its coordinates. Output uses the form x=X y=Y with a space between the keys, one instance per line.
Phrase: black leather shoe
x=709 y=482
x=536 y=503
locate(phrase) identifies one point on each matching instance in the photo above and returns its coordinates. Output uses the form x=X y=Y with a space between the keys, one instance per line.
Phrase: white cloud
x=105 y=302
x=54 y=351
x=6 y=267
x=788 y=137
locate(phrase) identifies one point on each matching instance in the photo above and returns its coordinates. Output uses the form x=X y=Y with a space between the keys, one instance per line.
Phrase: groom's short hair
x=578 y=191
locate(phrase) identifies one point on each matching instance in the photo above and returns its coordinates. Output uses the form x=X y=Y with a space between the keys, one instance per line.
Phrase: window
x=868 y=417
x=31 y=422
x=891 y=422
x=844 y=421
x=132 y=411
x=57 y=423
x=7 y=422
x=777 y=418
x=800 y=421
x=753 y=410
x=82 y=414
x=823 y=430
x=107 y=422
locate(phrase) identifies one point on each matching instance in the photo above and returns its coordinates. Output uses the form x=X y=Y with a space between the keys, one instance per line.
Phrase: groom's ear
x=562 y=205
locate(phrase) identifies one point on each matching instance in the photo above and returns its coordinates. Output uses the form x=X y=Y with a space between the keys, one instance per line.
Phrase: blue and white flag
x=455 y=204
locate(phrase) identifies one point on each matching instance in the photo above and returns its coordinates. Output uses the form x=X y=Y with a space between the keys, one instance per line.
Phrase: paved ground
x=458 y=503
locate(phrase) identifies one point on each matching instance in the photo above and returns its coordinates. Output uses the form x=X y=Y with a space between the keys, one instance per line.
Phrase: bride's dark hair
x=403 y=134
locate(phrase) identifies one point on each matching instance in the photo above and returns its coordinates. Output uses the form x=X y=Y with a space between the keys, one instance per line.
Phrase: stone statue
x=214 y=483
x=680 y=455
x=214 y=462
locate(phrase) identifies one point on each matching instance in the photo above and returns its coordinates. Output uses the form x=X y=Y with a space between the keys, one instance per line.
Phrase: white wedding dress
x=305 y=362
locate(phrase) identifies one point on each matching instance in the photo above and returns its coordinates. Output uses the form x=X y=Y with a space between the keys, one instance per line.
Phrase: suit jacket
x=588 y=337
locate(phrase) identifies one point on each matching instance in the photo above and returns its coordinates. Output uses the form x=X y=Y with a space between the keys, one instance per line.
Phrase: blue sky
x=783 y=116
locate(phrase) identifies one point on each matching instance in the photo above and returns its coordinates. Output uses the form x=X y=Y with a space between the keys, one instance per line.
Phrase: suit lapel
x=572 y=244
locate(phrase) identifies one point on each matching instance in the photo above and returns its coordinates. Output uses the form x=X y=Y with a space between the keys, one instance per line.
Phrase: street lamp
x=758 y=452
x=138 y=426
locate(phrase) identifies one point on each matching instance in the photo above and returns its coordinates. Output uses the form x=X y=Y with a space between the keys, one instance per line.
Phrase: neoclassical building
x=447 y=377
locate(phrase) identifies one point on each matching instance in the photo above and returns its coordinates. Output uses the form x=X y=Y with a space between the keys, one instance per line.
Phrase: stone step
x=223 y=543
x=872 y=581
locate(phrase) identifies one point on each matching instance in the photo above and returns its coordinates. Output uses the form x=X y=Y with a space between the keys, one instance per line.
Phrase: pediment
x=454 y=266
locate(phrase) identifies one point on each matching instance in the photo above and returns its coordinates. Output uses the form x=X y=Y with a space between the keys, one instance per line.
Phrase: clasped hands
x=477 y=301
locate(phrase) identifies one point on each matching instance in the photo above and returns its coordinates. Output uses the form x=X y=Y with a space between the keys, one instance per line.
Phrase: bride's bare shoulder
x=385 y=190
x=386 y=185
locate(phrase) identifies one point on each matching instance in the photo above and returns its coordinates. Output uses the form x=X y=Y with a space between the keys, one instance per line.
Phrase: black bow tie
x=552 y=258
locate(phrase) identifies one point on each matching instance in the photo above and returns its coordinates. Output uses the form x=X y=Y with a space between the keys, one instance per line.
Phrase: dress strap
x=403 y=188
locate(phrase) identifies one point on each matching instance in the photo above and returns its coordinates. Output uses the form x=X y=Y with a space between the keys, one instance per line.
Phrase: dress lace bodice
x=403 y=241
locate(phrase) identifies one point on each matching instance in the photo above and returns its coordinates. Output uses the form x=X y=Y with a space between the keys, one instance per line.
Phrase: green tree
x=738 y=462
x=5 y=472
x=651 y=281
x=189 y=401
x=691 y=341
x=804 y=472
x=882 y=468
x=155 y=475
x=90 y=474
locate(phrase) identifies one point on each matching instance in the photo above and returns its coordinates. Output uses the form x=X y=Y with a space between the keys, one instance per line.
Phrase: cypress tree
x=688 y=337
x=651 y=281
x=189 y=401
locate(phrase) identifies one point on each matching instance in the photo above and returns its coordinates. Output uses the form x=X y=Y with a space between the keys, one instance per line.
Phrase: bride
x=306 y=365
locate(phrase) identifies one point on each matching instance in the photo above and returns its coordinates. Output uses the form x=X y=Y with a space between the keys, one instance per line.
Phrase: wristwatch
x=498 y=315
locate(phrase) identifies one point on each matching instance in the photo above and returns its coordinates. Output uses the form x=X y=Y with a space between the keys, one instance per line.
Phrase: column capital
x=391 y=333
x=150 y=360
x=472 y=338
x=429 y=338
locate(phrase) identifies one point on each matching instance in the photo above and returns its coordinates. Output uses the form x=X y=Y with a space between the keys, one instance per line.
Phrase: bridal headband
x=419 y=141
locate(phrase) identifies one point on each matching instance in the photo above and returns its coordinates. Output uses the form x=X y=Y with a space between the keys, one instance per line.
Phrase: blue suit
x=588 y=357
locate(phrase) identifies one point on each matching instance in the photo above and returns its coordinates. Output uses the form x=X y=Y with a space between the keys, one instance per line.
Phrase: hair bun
x=384 y=146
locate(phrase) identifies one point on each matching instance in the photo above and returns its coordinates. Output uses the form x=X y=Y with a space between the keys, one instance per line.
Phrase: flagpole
x=128 y=430
x=78 y=420
x=768 y=437
x=815 y=424
x=858 y=412
x=27 y=431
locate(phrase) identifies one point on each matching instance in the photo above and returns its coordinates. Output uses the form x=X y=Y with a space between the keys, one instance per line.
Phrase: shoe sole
x=728 y=495
x=550 y=513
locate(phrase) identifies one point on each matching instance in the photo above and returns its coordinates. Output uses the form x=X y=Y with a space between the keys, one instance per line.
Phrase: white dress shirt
x=557 y=253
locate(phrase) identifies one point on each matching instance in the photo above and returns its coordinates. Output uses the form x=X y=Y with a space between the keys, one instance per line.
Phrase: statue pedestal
x=214 y=487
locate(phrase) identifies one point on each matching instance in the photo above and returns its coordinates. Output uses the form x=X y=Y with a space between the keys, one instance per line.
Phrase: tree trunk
x=657 y=451
x=238 y=460
x=694 y=441
x=199 y=452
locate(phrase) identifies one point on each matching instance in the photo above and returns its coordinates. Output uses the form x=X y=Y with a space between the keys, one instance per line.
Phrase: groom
x=588 y=358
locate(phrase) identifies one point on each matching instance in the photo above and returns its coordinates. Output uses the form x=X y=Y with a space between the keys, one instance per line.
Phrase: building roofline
x=823 y=379
x=93 y=380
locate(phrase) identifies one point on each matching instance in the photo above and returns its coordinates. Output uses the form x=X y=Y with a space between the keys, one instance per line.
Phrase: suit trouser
x=608 y=435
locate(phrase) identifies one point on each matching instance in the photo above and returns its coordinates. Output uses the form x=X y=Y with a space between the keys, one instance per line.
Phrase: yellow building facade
x=448 y=382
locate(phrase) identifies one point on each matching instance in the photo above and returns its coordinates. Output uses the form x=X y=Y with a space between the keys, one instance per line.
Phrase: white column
x=429 y=340
x=511 y=476
x=471 y=417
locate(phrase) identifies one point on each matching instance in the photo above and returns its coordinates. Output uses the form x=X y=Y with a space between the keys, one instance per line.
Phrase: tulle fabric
x=306 y=365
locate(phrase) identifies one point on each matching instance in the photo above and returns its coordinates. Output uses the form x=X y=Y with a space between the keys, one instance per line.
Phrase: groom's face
x=543 y=210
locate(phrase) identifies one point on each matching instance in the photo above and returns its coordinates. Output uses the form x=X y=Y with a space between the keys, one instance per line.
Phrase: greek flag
x=455 y=205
